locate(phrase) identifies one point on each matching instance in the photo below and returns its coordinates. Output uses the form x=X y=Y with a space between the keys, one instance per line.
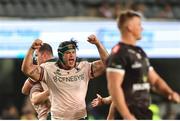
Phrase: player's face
x=70 y=58
x=137 y=28
x=40 y=58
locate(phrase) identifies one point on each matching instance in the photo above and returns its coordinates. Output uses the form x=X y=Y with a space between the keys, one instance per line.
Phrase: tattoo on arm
x=35 y=71
x=97 y=68
x=92 y=72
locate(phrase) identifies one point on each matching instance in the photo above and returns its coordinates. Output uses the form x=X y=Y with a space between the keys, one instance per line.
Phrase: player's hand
x=37 y=44
x=174 y=97
x=93 y=39
x=47 y=92
x=97 y=101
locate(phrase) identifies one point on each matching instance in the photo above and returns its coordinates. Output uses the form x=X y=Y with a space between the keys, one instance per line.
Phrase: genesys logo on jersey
x=70 y=78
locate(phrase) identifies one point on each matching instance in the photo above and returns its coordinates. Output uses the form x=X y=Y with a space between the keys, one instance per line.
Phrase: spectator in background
x=105 y=10
x=140 y=8
x=10 y=112
x=166 y=12
x=117 y=10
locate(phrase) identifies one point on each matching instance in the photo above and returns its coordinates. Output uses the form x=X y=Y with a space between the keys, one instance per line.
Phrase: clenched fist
x=37 y=44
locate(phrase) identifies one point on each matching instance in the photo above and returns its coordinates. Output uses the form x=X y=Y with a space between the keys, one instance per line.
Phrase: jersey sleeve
x=36 y=88
x=150 y=67
x=44 y=72
x=88 y=69
x=117 y=59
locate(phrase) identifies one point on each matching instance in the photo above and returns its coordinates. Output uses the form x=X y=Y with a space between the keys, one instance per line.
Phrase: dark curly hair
x=64 y=46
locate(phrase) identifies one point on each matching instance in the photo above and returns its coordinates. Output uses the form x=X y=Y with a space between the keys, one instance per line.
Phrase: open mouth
x=71 y=60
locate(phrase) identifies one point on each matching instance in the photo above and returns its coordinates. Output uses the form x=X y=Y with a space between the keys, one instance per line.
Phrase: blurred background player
x=130 y=74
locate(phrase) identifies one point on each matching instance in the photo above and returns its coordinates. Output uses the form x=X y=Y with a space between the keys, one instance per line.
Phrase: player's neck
x=128 y=39
x=63 y=66
x=50 y=58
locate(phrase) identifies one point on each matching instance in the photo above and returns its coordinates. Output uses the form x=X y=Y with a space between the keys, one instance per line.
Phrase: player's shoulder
x=48 y=64
x=83 y=63
x=120 y=47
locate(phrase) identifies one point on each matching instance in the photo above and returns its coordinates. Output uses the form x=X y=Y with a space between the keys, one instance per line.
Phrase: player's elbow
x=24 y=69
x=24 y=91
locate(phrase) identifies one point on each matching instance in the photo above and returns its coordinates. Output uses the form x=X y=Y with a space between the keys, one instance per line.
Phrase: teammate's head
x=130 y=21
x=44 y=53
x=67 y=53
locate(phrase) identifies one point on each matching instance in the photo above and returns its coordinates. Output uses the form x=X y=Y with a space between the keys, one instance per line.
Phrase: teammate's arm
x=162 y=87
x=98 y=67
x=31 y=70
x=98 y=101
x=39 y=97
x=27 y=86
x=107 y=100
x=115 y=80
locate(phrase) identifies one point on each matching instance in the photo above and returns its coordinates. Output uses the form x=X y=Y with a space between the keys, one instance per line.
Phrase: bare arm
x=98 y=66
x=102 y=51
x=107 y=100
x=26 y=87
x=162 y=87
x=111 y=112
x=28 y=68
x=39 y=97
x=115 y=80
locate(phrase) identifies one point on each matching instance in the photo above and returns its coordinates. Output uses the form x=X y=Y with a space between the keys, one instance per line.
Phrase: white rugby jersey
x=42 y=109
x=68 y=89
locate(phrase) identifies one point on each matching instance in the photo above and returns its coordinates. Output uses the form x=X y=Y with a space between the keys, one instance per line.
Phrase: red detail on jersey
x=115 y=49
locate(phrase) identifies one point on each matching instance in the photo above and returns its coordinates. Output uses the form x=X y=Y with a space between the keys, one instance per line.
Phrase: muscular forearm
x=102 y=51
x=119 y=100
x=31 y=70
x=39 y=97
x=111 y=112
x=162 y=87
x=121 y=104
x=28 y=62
x=107 y=100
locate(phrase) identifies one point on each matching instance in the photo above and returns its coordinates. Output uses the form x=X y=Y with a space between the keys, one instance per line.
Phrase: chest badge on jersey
x=57 y=72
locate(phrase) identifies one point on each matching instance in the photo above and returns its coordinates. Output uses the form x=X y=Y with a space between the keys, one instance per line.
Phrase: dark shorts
x=139 y=113
x=49 y=116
